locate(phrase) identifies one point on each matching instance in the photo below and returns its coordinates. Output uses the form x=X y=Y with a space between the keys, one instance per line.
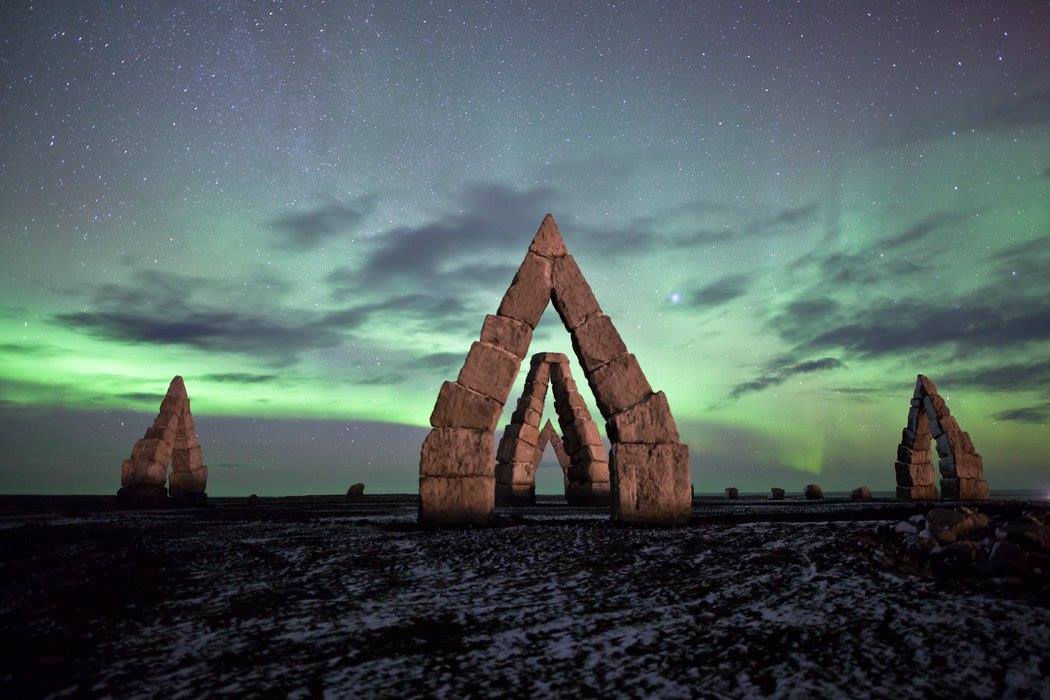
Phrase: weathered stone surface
x=550 y=358
x=592 y=494
x=618 y=385
x=861 y=493
x=587 y=471
x=457 y=452
x=529 y=293
x=914 y=474
x=594 y=453
x=924 y=386
x=596 y=342
x=579 y=434
x=183 y=483
x=522 y=431
x=732 y=493
x=489 y=370
x=517 y=451
x=776 y=494
x=142 y=472
x=548 y=241
x=526 y=406
x=926 y=492
x=650 y=483
x=571 y=294
x=913 y=456
x=963 y=465
x=964 y=489
x=647 y=421
x=152 y=450
x=460 y=407
x=814 y=492
x=507 y=333
x=186 y=460
x=356 y=492
x=449 y=500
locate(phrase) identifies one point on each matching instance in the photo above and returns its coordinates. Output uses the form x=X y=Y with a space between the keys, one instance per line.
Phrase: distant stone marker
x=732 y=493
x=172 y=439
x=814 y=492
x=962 y=470
x=356 y=492
x=861 y=493
x=582 y=456
x=776 y=494
x=648 y=466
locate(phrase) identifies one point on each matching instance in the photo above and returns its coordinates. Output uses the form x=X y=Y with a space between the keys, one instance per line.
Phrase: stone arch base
x=962 y=470
x=172 y=439
x=582 y=456
x=648 y=466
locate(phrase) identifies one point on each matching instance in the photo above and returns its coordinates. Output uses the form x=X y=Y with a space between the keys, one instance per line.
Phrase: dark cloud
x=29 y=350
x=385 y=379
x=240 y=378
x=1019 y=376
x=921 y=229
x=140 y=397
x=308 y=229
x=436 y=360
x=1032 y=109
x=1038 y=414
x=778 y=373
x=785 y=219
x=720 y=291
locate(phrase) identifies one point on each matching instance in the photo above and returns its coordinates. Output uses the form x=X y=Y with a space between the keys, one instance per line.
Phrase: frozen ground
x=355 y=601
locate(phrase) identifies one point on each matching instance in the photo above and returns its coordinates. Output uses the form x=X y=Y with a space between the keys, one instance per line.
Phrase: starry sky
x=307 y=208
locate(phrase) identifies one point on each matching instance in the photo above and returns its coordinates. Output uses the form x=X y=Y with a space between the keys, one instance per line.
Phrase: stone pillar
x=188 y=482
x=587 y=479
x=520 y=448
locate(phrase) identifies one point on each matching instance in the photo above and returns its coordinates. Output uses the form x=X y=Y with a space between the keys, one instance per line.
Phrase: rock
x=188 y=483
x=650 y=483
x=648 y=421
x=457 y=452
x=914 y=474
x=548 y=240
x=1036 y=537
x=1007 y=555
x=950 y=524
x=572 y=296
x=597 y=342
x=356 y=492
x=490 y=371
x=450 y=500
x=861 y=493
x=619 y=385
x=142 y=496
x=814 y=493
x=251 y=501
x=917 y=493
x=732 y=493
x=508 y=334
x=460 y=407
x=776 y=494
x=530 y=292
x=964 y=489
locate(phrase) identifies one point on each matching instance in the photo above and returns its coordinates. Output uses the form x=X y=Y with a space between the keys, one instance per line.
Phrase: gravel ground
x=355 y=601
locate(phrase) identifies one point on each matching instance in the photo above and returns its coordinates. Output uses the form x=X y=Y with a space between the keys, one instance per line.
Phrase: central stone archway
x=648 y=465
x=582 y=455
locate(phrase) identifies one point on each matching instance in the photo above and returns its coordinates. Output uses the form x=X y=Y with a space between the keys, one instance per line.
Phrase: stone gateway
x=648 y=467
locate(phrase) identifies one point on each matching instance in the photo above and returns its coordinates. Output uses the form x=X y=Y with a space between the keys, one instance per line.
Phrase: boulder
x=650 y=483
x=649 y=421
x=597 y=342
x=572 y=296
x=926 y=492
x=548 y=241
x=507 y=333
x=356 y=492
x=460 y=407
x=251 y=501
x=776 y=494
x=489 y=370
x=618 y=385
x=813 y=492
x=529 y=293
x=448 y=500
x=861 y=493
x=732 y=493
x=457 y=452
x=964 y=489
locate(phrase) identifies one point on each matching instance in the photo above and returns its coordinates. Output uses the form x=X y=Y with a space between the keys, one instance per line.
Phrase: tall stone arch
x=582 y=455
x=648 y=465
x=961 y=468
x=171 y=440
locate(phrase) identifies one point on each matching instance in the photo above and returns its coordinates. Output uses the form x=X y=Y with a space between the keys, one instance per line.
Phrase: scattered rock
x=732 y=493
x=355 y=492
x=813 y=492
x=776 y=494
x=252 y=500
x=861 y=493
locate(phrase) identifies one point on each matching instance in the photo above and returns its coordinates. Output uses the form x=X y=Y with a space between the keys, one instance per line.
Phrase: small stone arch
x=648 y=465
x=961 y=468
x=170 y=441
x=582 y=455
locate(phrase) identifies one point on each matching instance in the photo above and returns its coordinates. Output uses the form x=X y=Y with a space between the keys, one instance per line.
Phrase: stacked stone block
x=587 y=478
x=648 y=466
x=172 y=439
x=961 y=468
x=520 y=448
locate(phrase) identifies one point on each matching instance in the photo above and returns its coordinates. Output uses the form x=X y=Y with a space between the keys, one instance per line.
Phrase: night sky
x=306 y=209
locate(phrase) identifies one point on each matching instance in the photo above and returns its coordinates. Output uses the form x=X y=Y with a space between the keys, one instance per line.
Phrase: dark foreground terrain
x=309 y=598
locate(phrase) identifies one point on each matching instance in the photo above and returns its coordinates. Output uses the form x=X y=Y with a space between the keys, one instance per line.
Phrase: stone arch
x=648 y=465
x=961 y=468
x=582 y=455
x=171 y=440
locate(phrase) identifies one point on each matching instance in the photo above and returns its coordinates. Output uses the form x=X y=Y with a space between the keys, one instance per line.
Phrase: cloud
x=1019 y=376
x=1032 y=109
x=307 y=229
x=1038 y=414
x=778 y=373
x=720 y=291
x=240 y=378
x=921 y=229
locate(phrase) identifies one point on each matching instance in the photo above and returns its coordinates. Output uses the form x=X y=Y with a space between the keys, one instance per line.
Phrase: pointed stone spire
x=548 y=241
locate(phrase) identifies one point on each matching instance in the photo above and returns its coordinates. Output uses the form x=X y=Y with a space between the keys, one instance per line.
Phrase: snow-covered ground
x=245 y=603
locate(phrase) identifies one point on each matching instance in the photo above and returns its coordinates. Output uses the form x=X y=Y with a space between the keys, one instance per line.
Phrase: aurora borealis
x=306 y=209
